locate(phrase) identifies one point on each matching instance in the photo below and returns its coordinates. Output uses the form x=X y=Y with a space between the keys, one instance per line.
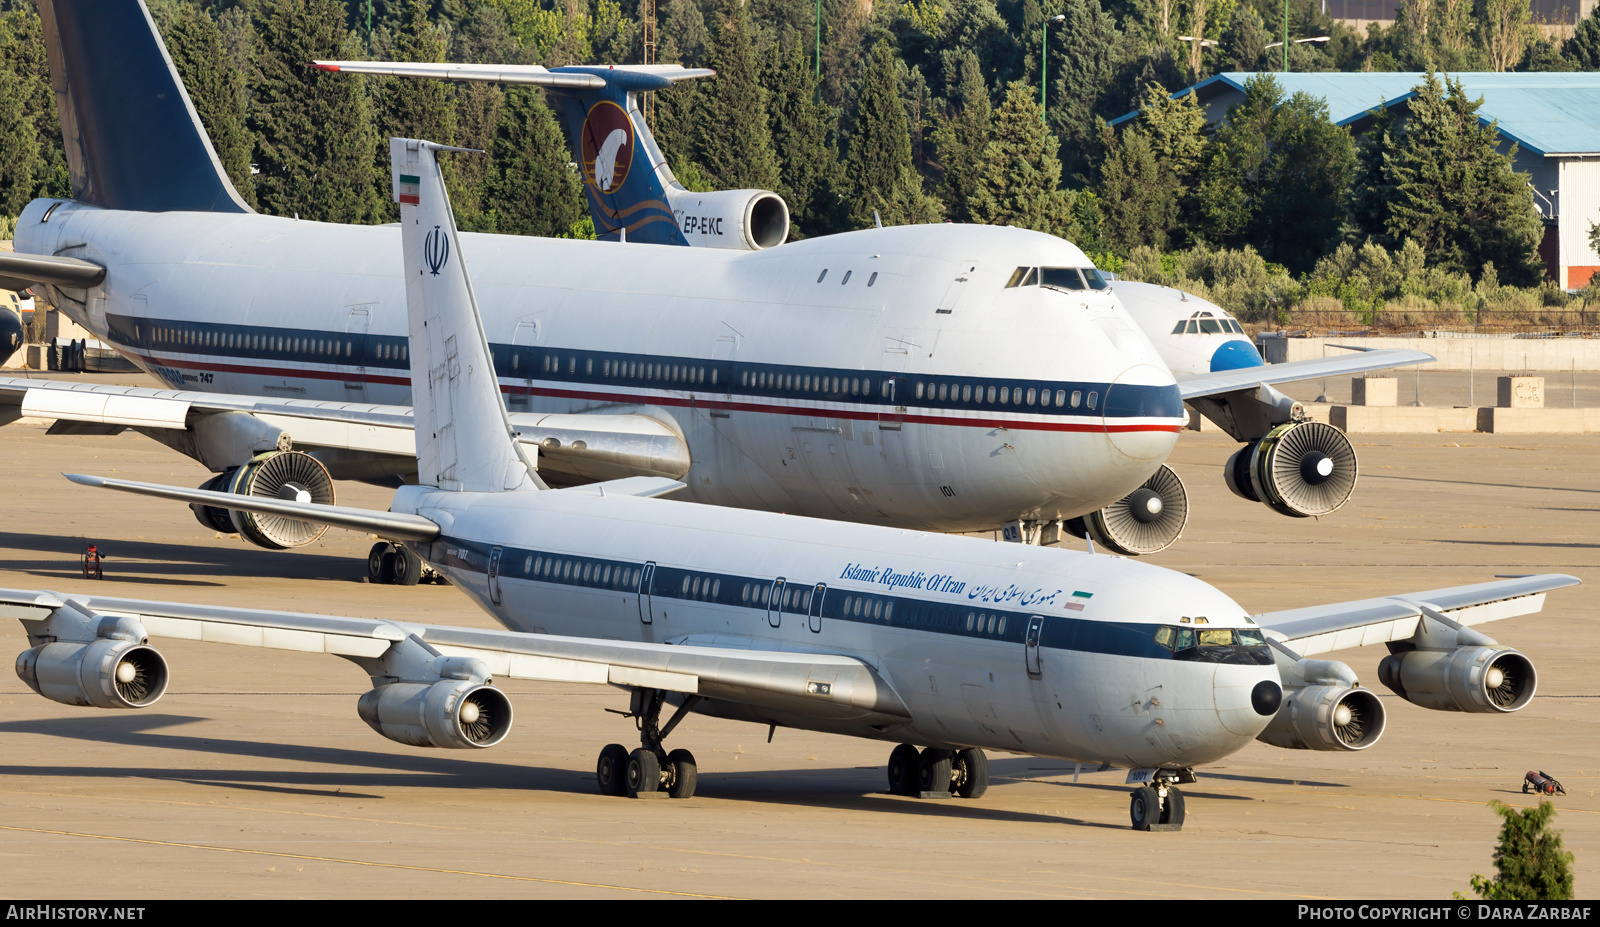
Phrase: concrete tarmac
x=254 y=778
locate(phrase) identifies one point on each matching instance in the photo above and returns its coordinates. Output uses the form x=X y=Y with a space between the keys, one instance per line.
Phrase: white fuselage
x=944 y=620
x=1192 y=335
x=884 y=376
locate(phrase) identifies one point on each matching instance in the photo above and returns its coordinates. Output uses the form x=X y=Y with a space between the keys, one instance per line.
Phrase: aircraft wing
x=569 y=78
x=19 y=271
x=816 y=684
x=359 y=440
x=1365 y=359
x=1324 y=628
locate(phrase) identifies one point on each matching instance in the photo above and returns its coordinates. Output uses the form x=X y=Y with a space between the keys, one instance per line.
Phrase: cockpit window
x=1064 y=278
x=1096 y=282
x=1210 y=327
x=1245 y=646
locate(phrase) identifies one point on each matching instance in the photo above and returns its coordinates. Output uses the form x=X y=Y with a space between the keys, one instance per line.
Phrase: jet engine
x=452 y=713
x=292 y=475
x=744 y=220
x=1326 y=718
x=10 y=334
x=107 y=673
x=1146 y=520
x=1476 y=679
x=1299 y=469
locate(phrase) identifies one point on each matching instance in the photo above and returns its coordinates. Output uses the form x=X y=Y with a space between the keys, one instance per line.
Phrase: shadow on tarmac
x=126 y=560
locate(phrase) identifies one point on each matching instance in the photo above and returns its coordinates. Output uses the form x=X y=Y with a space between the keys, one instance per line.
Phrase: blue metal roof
x=1550 y=113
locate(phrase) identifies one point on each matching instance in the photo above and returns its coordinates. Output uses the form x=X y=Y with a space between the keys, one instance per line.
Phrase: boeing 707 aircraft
x=946 y=646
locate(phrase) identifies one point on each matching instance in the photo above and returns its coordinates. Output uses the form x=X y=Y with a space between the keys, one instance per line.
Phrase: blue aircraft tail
x=133 y=140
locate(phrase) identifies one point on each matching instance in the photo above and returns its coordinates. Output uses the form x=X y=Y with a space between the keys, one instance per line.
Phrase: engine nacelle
x=1149 y=519
x=1300 y=469
x=452 y=713
x=743 y=220
x=291 y=475
x=1476 y=679
x=102 y=674
x=1326 y=718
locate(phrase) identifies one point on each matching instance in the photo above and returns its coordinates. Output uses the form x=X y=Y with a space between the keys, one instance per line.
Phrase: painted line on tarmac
x=358 y=862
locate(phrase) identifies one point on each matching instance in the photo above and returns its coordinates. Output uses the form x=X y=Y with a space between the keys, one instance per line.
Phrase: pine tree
x=1456 y=194
x=808 y=157
x=1245 y=40
x=413 y=108
x=735 y=138
x=1138 y=202
x=22 y=37
x=1087 y=53
x=19 y=143
x=1583 y=49
x=1018 y=179
x=315 y=144
x=1529 y=859
x=878 y=172
x=216 y=89
x=530 y=189
x=1372 y=189
x=963 y=135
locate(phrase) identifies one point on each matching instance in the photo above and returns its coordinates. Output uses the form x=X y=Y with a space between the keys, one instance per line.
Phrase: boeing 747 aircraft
x=952 y=645
x=907 y=376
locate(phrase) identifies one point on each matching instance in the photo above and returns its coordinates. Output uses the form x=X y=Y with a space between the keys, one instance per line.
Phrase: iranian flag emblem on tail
x=410 y=189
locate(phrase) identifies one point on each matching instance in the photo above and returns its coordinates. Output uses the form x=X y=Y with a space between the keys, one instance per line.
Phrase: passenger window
x=919 y=389
x=1076 y=396
x=991 y=394
x=1093 y=397
x=966 y=393
x=1030 y=397
x=846 y=278
x=527 y=566
x=971 y=617
x=1061 y=397
x=872 y=279
x=716 y=588
x=822 y=275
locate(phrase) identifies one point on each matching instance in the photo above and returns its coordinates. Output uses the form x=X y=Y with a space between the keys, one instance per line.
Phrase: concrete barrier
x=1492 y=353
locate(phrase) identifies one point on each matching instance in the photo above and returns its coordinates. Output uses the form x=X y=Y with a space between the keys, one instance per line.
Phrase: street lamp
x=1320 y=38
x=1044 y=58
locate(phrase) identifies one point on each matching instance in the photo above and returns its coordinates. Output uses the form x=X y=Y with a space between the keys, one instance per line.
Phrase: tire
x=375 y=572
x=407 y=567
x=933 y=770
x=685 y=774
x=971 y=772
x=903 y=770
x=644 y=773
x=611 y=771
x=1143 y=808
x=1174 y=812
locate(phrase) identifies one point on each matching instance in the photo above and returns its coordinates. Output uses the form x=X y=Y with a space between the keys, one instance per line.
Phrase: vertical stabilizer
x=464 y=440
x=133 y=140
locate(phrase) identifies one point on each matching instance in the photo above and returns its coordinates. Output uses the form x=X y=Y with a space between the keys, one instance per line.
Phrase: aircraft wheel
x=1143 y=808
x=375 y=566
x=903 y=770
x=933 y=770
x=407 y=567
x=1173 y=813
x=611 y=771
x=971 y=773
x=685 y=774
x=643 y=773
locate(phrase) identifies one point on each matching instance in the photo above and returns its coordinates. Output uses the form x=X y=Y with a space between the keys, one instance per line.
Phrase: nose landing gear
x=1159 y=805
x=649 y=771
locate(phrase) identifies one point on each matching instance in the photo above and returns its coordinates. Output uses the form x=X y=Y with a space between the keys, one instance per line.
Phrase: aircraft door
x=645 y=578
x=355 y=352
x=958 y=288
x=494 y=575
x=816 y=606
x=775 y=604
x=1030 y=643
x=526 y=334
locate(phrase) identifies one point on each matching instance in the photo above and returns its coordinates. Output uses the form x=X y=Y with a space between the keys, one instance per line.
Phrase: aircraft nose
x=1143 y=412
x=1246 y=697
x=1234 y=355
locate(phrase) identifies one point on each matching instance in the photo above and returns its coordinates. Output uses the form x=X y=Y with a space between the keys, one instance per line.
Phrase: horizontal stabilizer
x=1324 y=628
x=577 y=77
x=20 y=271
x=646 y=487
x=1227 y=381
x=392 y=525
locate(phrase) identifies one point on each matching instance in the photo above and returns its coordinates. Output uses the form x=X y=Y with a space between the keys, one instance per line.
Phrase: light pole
x=1044 y=59
x=1320 y=38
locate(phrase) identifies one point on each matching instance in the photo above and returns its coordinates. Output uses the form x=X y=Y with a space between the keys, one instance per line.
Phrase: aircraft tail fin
x=464 y=439
x=133 y=139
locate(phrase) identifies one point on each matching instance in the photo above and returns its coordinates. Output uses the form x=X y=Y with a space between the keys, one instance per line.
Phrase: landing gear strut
x=936 y=773
x=649 y=770
x=1159 y=805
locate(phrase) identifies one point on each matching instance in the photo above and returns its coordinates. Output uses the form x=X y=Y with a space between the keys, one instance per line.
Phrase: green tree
x=807 y=154
x=410 y=108
x=216 y=89
x=735 y=138
x=878 y=171
x=315 y=144
x=1245 y=40
x=1583 y=49
x=529 y=188
x=1372 y=189
x=1275 y=176
x=1087 y=55
x=19 y=142
x=22 y=53
x=1139 y=202
x=1529 y=860
x=1017 y=181
x=1456 y=193
x=1504 y=31
x=963 y=135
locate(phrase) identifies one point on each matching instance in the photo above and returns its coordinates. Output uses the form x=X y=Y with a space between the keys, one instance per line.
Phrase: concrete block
x=1540 y=421
x=1375 y=391
x=1402 y=419
x=37 y=359
x=1519 y=392
x=57 y=325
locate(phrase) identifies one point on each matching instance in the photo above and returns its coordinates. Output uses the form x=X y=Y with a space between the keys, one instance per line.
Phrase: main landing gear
x=649 y=771
x=1159 y=805
x=395 y=565
x=936 y=773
